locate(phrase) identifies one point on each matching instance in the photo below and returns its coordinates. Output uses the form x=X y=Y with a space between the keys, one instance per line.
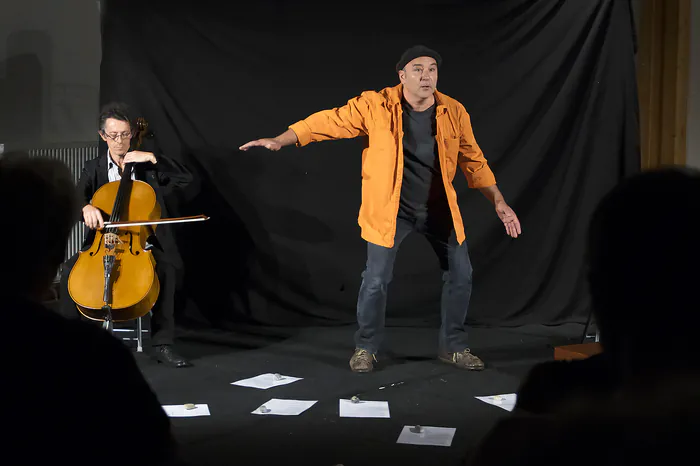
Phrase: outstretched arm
x=343 y=122
x=287 y=138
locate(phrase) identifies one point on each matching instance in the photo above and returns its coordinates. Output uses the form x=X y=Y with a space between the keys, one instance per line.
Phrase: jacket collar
x=395 y=95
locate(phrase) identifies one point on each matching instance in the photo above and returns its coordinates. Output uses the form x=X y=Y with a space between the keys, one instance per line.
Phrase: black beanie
x=415 y=52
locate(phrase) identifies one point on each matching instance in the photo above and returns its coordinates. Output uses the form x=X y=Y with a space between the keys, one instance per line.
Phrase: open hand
x=509 y=219
x=270 y=144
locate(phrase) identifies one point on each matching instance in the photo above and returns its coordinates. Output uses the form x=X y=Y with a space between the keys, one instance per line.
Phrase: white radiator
x=75 y=157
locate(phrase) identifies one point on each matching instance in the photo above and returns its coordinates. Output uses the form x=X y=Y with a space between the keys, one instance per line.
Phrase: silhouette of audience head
x=644 y=259
x=38 y=207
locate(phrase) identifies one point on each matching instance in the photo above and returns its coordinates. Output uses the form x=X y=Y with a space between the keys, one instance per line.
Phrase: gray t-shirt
x=422 y=188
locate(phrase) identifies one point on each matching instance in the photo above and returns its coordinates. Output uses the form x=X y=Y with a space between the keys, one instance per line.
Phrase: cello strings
x=116 y=211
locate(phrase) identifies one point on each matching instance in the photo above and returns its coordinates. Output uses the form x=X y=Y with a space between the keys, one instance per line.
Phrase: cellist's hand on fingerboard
x=138 y=156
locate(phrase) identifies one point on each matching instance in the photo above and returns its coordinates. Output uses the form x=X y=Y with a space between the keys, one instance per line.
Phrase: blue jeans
x=456 y=290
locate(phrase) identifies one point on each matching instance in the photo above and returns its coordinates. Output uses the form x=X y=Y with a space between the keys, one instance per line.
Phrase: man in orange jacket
x=417 y=138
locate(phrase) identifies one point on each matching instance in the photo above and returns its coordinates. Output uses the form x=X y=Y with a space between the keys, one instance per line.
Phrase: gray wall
x=49 y=71
x=693 y=131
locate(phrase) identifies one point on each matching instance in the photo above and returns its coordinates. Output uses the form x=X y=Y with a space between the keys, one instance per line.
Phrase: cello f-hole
x=131 y=244
x=99 y=246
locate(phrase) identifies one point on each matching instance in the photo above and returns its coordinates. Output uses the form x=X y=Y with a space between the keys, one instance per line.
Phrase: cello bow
x=194 y=218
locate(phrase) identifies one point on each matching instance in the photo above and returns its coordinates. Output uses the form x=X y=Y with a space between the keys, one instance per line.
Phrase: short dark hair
x=644 y=256
x=117 y=110
x=43 y=186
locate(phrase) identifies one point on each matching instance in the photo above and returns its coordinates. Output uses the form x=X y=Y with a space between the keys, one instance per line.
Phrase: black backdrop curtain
x=550 y=86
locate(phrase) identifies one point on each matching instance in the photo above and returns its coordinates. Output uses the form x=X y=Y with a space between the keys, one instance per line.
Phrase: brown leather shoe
x=464 y=360
x=361 y=361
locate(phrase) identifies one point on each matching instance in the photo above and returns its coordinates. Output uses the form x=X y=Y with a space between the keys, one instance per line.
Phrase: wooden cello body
x=117 y=271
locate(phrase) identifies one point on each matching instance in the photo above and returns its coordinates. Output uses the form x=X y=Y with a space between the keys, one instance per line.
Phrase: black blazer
x=163 y=177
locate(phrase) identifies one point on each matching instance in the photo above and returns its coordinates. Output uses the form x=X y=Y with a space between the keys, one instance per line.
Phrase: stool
x=109 y=326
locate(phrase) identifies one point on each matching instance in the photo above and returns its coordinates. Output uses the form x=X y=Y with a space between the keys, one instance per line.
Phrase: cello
x=115 y=279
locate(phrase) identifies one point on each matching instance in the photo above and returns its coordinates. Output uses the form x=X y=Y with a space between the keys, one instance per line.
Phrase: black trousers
x=163 y=317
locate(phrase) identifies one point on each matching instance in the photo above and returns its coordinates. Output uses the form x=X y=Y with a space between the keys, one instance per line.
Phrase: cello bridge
x=111 y=240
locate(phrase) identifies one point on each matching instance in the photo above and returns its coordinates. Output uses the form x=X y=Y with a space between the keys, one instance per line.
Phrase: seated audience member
x=643 y=277
x=638 y=398
x=654 y=423
x=72 y=393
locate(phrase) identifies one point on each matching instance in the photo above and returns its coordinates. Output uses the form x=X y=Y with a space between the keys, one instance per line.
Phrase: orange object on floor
x=580 y=351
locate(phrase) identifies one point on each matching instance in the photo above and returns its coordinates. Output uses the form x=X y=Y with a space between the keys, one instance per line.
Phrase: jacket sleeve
x=171 y=173
x=343 y=122
x=471 y=159
x=86 y=186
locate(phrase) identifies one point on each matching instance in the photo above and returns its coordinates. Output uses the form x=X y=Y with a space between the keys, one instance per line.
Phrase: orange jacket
x=378 y=115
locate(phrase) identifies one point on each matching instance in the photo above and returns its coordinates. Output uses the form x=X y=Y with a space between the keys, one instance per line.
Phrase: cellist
x=163 y=175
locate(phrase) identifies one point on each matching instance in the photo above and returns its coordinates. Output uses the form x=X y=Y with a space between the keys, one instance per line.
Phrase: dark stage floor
x=431 y=393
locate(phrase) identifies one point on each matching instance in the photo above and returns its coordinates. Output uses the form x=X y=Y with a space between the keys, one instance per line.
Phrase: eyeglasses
x=114 y=137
